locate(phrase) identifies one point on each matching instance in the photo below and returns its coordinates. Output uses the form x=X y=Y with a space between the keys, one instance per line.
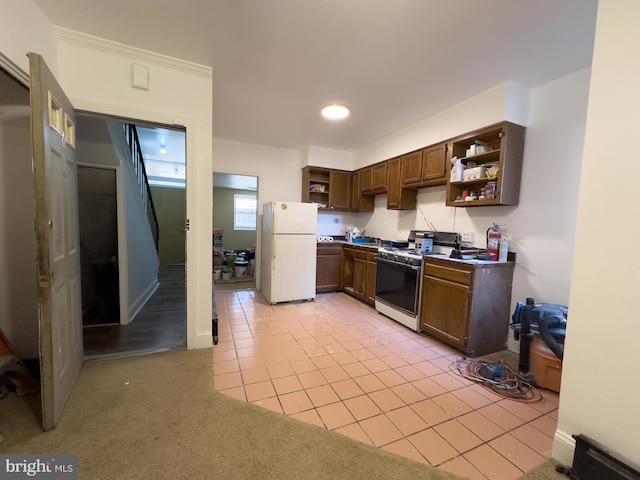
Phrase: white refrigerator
x=288 y=266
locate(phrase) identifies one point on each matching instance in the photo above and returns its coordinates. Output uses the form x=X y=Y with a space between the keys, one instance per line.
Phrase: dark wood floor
x=160 y=325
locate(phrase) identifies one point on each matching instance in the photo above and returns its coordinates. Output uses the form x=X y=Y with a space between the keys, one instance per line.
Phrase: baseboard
x=136 y=306
x=564 y=446
x=201 y=340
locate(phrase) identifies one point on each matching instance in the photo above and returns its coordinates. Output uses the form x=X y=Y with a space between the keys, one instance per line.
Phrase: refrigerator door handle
x=273 y=251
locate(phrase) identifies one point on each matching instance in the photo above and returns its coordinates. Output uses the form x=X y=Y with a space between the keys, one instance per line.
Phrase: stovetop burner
x=405 y=252
x=400 y=255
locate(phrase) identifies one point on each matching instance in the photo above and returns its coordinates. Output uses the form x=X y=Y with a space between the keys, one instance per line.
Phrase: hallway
x=160 y=325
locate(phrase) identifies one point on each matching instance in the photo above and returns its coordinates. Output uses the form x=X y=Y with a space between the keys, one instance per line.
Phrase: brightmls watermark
x=51 y=467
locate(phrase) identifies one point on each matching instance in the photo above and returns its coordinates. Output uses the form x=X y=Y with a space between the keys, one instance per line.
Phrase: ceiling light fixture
x=163 y=148
x=335 y=112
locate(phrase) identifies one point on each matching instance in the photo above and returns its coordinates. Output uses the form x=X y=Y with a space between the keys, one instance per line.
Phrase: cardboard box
x=474 y=173
x=217 y=237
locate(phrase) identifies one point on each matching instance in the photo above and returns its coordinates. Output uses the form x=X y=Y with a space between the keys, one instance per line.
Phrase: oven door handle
x=398 y=264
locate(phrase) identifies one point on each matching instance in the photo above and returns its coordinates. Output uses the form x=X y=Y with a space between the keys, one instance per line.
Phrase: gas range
x=399 y=274
x=407 y=256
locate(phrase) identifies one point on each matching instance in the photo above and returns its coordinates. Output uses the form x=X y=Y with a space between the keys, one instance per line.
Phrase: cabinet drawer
x=447 y=273
x=361 y=254
x=324 y=249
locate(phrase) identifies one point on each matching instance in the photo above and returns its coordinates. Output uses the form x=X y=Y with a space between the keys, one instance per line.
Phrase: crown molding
x=119 y=49
x=14 y=70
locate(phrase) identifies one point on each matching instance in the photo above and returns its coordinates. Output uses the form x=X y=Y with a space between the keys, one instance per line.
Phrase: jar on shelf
x=490 y=190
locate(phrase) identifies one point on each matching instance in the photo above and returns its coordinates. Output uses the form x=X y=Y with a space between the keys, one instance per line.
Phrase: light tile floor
x=335 y=362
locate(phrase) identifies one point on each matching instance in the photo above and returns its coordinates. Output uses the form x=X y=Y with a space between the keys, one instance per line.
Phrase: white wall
x=328 y=157
x=96 y=75
x=600 y=385
x=485 y=108
x=23 y=29
x=18 y=281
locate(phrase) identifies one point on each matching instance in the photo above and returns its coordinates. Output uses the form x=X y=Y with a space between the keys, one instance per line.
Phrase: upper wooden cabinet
x=360 y=202
x=340 y=191
x=398 y=197
x=328 y=187
x=501 y=146
x=426 y=167
x=373 y=179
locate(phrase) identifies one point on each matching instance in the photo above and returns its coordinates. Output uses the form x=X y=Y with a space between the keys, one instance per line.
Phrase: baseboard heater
x=592 y=461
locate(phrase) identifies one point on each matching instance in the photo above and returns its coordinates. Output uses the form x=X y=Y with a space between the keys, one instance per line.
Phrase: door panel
x=58 y=259
x=293 y=268
x=445 y=310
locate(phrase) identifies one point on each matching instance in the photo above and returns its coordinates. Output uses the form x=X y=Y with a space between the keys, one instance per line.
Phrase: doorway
x=142 y=293
x=19 y=313
x=235 y=217
x=98 y=217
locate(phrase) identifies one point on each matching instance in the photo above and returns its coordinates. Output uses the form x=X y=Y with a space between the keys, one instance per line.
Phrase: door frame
x=123 y=281
x=198 y=273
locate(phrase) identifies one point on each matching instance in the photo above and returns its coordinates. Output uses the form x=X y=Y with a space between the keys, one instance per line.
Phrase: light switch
x=140 y=76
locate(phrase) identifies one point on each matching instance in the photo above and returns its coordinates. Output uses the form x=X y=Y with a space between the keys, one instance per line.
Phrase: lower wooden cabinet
x=328 y=272
x=359 y=272
x=467 y=305
x=370 y=288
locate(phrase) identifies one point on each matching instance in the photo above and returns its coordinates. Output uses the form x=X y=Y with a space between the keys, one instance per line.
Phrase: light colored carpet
x=158 y=417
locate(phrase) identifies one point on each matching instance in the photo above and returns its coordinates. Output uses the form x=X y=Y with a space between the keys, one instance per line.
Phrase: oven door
x=398 y=285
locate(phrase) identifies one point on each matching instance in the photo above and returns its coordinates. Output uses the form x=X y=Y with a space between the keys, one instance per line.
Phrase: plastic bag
x=456 y=170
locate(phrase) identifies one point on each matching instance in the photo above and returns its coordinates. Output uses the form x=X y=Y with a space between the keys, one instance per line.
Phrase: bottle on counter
x=504 y=250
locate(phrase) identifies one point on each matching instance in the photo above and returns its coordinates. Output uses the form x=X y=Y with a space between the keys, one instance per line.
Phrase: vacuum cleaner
x=541 y=329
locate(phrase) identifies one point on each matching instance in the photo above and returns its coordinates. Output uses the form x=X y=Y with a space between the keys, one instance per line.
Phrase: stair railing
x=131 y=135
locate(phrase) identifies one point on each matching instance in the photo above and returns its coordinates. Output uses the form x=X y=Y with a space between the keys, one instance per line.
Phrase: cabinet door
x=379 y=177
x=371 y=278
x=366 y=179
x=359 y=202
x=328 y=270
x=398 y=197
x=434 y=166
x=360 y=277
x=340 y=190
x=445 y=310
x=412 y=168
x=393 y=183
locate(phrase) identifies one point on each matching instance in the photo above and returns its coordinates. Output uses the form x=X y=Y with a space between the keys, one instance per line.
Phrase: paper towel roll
x=329 y=239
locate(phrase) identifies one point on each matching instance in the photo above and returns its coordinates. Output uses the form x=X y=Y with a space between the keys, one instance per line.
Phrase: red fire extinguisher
x=493 y=241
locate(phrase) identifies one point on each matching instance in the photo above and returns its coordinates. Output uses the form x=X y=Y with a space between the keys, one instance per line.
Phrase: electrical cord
x=497 y=377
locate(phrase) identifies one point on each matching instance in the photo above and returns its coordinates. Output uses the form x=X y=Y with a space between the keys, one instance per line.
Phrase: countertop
x=438 y=256
x=470 y=261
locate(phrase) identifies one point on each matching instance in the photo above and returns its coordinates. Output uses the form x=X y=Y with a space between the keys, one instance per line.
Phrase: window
x=245 y=209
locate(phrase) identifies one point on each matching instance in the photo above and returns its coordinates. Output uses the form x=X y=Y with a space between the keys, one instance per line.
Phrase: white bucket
x=226 y=275
x=241 y=270
x=217 y=273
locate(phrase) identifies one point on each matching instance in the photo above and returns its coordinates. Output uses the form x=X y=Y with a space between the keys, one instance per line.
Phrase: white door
x=57 y=237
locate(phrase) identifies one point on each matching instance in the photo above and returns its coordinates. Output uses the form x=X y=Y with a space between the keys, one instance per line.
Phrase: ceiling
x=393 y=62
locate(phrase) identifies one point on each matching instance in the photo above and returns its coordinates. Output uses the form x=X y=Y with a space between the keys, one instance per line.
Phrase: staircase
x=143 y=181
